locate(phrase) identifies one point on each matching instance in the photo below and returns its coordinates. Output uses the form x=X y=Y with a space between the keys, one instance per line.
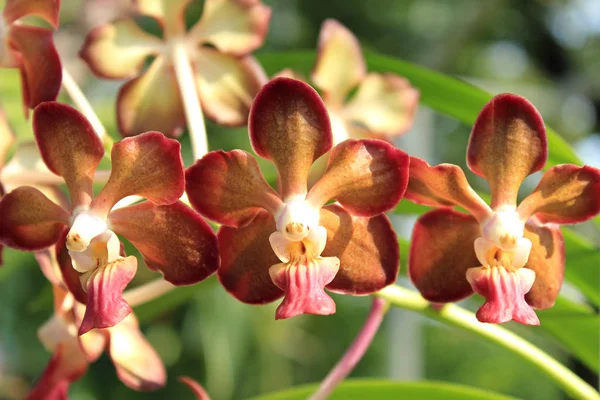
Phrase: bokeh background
x=547 y=51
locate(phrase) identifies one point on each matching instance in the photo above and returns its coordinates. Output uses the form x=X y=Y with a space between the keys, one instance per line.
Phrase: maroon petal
x=508 y=142
x=69 y=147
x=289 y=125
x=228 y=187
x=148 y=165
x=104 y=285
x=29 y=220
x=41 y=71
x=46 y=9
x=567 y=194
x=173 y=240
x=441 y=252
x=367 y=177
x=246 y=256
x=70 y=276
x=303 y=284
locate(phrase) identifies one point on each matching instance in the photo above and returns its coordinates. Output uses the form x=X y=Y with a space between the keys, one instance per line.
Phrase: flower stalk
x=454 y=315
x=191 y=102
x=356 y=351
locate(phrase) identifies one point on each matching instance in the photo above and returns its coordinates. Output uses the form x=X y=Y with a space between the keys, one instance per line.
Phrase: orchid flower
x=172 y=238
x=383 y=105
x=512 y=255
x=290 y=243
x=218 y=45
x=31 y=49
x=136 y=362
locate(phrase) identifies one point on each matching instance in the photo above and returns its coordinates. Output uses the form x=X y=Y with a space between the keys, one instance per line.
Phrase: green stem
x=452 y=314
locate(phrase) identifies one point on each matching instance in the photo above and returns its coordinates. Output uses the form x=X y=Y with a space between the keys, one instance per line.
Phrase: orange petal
x=118 y=50
x=443 y=185
x=340 y=64
x=567 y=194
x=547 y=259
x=227 y=85
x=41 y=71
x=169 y=13
x=46 y=9
x=148 y=165
x=441 y=252
x=289 y=125
x=235 y=27
x=246 y=256
x=151 y=102
x=366 y=176
x=69 y=147
x=29 y=220
x=137 y=363
x=228 y=187
x=366 y=247
x=173 y=240
x=384 y=104
x=508 y=143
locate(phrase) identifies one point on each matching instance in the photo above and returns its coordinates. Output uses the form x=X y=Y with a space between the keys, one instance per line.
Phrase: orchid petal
x=228 y=187
x=46 y=9
x=443 y=185
x=289 y=125
x=226 y=85
x=195 y=387
x=547 y=259
x=567 y=194
x=508 y=143
x=441 y=252
x=104 y=285
x=148 y=165
x=118 y=50
x=29 y=220
x=173 y=240
x=340 y=64
x=385 y=104
x=137 y=363
x=169 y=13
x=246 y=257
x=69 y=147
x=151 y=102
x=366 y=247
x=41 y=71
x=366 y=176
x=235 y=27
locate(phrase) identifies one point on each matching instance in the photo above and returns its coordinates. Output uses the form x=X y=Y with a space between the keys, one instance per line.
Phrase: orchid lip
x=84 y=228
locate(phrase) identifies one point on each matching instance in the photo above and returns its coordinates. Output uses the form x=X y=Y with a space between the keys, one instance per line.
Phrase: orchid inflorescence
x=293 y=241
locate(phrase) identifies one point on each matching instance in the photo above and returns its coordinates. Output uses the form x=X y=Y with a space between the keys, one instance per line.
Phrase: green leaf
x=583 y=259
x=360 y=389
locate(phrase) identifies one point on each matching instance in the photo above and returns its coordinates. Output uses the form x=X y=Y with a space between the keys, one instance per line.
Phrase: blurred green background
x=547 y=51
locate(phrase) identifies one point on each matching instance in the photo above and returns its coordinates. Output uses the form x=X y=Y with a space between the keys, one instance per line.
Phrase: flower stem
x=148 y=291
x=191 y=102
x=356 y=350
x=85 y=108
x=457 y=316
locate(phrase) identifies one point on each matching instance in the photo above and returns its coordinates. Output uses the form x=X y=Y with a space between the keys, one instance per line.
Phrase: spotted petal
x=46 y=9
x=508 y=142
x=340 y=64
x=69 y=147
x=173 y=240
x=228 y=187
x=233 y=26
x=443 y=185
x=29 y=220
x=148 y=165
x=151 y=102
x=41 y=71
x=441 y=252
x=366 y=247
x=118 y=50
x=246 y=257
x=365 y=176
x=566 y=194
x=547 y=259
x=289 y=125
